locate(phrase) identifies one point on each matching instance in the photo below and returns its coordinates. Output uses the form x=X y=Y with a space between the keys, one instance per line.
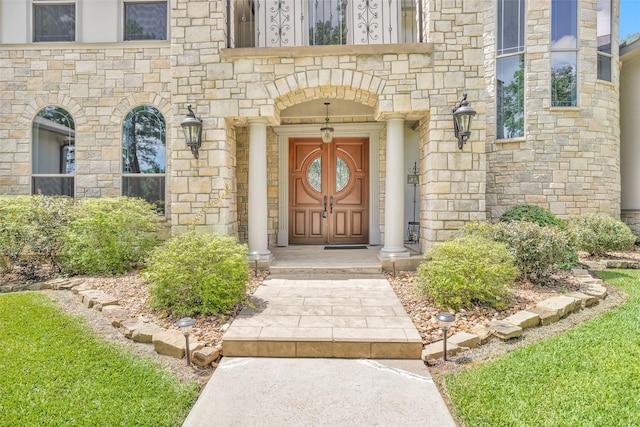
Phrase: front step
x=280 y=271
x=345 y=318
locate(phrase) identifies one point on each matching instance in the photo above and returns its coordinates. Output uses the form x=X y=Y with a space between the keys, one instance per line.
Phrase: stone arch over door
x=313 y=87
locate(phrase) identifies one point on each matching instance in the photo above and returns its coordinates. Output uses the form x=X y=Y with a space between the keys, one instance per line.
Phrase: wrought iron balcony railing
x=288 y=23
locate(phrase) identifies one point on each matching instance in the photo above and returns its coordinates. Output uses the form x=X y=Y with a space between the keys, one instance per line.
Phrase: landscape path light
x=446 y=319
x=185 y=324
x=393 y=259
x=255 y=257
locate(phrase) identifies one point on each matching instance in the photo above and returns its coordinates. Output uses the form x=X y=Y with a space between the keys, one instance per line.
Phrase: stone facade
x=98 y=86
x=568 y=161
x=569 y=158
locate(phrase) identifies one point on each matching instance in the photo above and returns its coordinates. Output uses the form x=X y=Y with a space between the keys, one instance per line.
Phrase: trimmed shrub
x=192 y=274
x=50 y=217
x=468 y=270
x=109 y=235
x=532 y=213
x=536 y=250
x=598 y=234
x=16 y=229
x=31 y=230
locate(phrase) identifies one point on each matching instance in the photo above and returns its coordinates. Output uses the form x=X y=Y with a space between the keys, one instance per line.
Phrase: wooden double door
x=328 y=191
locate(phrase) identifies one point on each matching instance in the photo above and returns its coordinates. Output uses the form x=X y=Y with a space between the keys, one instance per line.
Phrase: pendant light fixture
x=327 y=131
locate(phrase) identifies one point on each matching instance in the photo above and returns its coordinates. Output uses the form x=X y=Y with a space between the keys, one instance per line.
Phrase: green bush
x=108 y=235
x=50 y=218
x=16 y=229
x=536 y=250
x=532 y=213
x=598 y=234
x=467 y=270
x=193 y=273
x=31 y=230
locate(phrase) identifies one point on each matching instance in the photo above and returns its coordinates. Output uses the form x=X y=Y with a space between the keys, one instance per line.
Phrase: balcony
x=292 y=23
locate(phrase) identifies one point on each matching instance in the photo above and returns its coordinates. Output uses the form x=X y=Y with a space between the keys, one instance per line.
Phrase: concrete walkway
x=268 y=392
x=337 y=351
x=347 y=317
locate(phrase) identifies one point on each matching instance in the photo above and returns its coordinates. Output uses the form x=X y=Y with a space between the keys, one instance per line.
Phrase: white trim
x=367 y=130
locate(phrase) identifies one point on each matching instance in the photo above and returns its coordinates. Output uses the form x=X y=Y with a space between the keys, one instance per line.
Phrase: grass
x=588 y=376
x=55 y=371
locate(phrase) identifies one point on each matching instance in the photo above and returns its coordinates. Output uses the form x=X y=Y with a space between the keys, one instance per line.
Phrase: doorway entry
x=328 y=191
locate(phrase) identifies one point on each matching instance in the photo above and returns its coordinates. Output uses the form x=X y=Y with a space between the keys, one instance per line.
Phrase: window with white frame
x=144 y=155
x=510 y=69
x=564 y=53
x=54 y=20
x=53 y=152
x=603 y=31
x=145 y=20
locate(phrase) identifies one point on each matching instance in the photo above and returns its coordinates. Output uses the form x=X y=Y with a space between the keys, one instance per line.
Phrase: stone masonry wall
x=569 y=159
x=98 y=86
x=453 y=182
x=198 y=33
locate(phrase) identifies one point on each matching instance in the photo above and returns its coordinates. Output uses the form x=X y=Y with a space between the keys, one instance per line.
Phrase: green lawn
x=55 y=371
x=588 y=376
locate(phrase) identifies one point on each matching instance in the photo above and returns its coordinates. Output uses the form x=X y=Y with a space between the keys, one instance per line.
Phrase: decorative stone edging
x=546 y=312
x=171 y=342
x=168 y=342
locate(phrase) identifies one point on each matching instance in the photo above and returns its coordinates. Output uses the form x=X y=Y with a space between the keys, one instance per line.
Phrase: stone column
x=257 y=203
x=394 y=190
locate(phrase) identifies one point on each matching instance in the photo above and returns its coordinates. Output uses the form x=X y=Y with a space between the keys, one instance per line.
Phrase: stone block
x=562 y=305
x=621 y=264
x=169 y=343
x=116 y=314
x=580 y=272
x=105 y=299
x=92 y=297
x=131 y=325
x=88 y=297
x=505 y=330
x=82 y=287
x=593 y=289
x=6 y=288
x=595 y=265
x=464 y=339
x=146 y=332
x=436 y=350
x=586 y=300
x=524 y=319
x=64 y=283
x=206 y=355
x=546 y=317
x=37 y=287
x=482 y=332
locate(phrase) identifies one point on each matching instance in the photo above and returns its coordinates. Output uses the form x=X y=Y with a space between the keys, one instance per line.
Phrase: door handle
x=324 y=202
x=331 y=205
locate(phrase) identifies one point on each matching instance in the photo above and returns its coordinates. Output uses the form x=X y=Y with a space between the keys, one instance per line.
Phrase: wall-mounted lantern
x=192 y=127
x=462 y=115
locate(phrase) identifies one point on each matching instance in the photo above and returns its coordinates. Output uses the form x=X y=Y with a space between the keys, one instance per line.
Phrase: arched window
x=144 y=155
x=53 y=152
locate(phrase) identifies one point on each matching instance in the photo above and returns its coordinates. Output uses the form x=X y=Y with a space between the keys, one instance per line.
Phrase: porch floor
x=346 y=316
x=315 y=259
